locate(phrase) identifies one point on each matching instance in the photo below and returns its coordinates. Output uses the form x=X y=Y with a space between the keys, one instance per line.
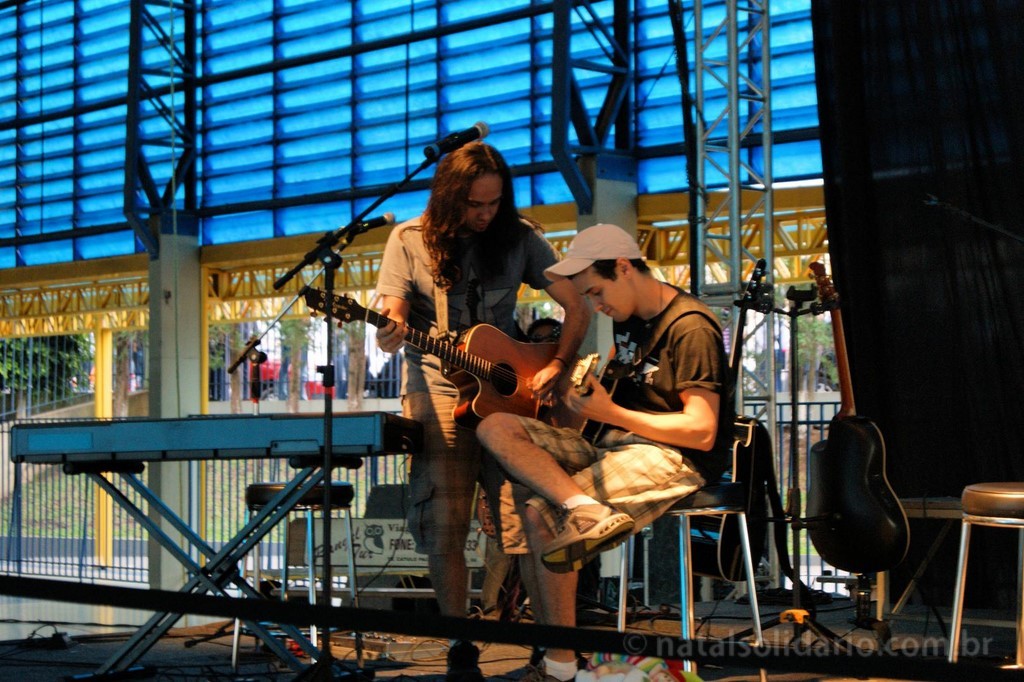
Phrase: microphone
x=456 y=140
x=379 y=221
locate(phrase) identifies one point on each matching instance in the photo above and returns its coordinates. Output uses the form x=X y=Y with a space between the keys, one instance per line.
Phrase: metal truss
x=92 y=298
x=74 y=309
x=607 y=136
x=160 y=127
x=53 y=325
x=733 y=122
x=248 y=293
x=80 y=308
x=732 y=78
x=240 y=287
x=798 y=237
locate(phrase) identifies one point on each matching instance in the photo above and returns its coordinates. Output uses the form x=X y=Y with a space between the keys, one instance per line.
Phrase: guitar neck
x=829 y=298
x=847 y=407
x=444 y=350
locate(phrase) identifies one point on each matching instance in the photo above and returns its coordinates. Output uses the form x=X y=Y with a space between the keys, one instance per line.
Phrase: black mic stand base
x=802 y=622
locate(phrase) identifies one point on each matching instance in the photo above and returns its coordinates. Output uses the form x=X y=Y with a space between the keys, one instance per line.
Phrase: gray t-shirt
x=479 y=297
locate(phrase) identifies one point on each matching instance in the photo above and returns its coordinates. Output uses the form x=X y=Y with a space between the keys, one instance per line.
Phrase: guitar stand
x=862 y=613
x=801 y=619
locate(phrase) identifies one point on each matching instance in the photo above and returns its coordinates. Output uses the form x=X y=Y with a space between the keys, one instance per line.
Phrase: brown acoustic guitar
x=855 y=520
x=491 y=370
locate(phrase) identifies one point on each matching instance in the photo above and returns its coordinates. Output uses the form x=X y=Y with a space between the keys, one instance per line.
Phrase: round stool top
x=259 y=494
x=994 y=499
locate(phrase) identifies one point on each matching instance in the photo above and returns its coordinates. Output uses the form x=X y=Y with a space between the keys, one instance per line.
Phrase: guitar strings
x=432 y=344
x=475 y=364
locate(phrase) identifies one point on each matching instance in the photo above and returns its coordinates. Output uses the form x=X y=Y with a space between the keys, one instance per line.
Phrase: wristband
x=564 y=363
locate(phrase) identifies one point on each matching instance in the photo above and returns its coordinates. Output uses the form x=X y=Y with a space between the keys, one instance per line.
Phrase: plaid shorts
x=637 y=476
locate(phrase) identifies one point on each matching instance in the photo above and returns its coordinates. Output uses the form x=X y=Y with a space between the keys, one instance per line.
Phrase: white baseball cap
x=600 y=242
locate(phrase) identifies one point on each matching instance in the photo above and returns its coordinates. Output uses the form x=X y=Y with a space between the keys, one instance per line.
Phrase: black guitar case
x=715 y=540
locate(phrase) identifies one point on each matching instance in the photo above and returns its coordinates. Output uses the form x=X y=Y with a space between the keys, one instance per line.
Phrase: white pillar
x=175 y=315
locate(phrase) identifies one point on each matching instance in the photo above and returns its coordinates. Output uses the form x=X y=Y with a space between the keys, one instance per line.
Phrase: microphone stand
x=325 y=254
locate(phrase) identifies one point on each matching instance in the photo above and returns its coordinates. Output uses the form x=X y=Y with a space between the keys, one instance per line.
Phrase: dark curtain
x=922 y=131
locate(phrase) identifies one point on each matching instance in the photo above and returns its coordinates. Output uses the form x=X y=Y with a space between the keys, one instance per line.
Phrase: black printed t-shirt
x=690 y=353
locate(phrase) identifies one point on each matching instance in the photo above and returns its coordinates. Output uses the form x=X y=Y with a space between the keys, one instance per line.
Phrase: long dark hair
x=446 y=210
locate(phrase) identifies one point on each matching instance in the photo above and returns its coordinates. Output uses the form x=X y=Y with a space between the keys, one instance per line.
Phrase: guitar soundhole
x=503 y=378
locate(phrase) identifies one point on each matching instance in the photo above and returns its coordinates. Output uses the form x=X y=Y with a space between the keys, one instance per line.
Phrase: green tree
x=294 y=341
x=817 y=352
x=815 y=348
x=44 y=369
x=127 y=346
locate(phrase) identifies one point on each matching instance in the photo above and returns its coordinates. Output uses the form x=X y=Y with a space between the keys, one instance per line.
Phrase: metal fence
x=382 y=371
x=48 y=519
x=38 y=374
x=48 y=524
x=811 y=427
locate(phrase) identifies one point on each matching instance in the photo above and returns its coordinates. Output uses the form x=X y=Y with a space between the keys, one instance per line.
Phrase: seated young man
x=667 y=426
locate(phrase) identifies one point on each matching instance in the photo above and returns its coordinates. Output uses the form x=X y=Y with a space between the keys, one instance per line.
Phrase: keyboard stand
x=946 y=509
x=220 y=570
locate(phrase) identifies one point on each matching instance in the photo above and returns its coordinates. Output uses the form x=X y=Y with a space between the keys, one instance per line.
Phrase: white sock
x=563 y=670
x=577 y=500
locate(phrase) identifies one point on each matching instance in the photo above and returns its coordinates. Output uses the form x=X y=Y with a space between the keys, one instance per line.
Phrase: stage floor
x=202 y=650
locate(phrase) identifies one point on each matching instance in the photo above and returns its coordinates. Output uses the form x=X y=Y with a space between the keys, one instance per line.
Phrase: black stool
x=999 y=505
x=257 y=495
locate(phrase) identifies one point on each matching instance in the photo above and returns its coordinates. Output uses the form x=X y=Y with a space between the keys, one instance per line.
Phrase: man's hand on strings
x=545 y=383
x=391 y=336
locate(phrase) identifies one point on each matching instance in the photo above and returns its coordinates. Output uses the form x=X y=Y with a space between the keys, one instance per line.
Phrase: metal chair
x=257 y=495
x=999 y=505
x=719 y=499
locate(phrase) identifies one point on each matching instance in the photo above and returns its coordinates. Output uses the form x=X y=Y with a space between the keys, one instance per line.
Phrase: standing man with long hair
x=470 y=251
